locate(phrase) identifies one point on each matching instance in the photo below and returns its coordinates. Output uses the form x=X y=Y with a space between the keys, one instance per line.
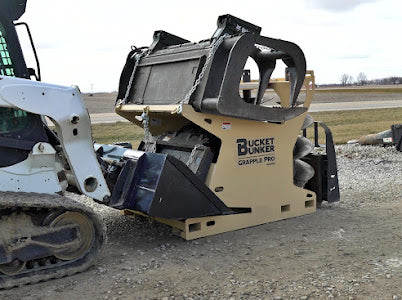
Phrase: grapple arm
x=207 y=74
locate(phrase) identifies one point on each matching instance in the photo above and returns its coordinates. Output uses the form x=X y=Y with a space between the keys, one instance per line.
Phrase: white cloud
x=337 y=5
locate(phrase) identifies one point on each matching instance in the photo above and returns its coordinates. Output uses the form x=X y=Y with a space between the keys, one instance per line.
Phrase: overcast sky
x=86 y=42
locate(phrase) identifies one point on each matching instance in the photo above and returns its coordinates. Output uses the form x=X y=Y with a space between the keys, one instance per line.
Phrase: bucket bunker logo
x=256 y=151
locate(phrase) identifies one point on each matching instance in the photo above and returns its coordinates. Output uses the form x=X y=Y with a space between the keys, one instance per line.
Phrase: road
x=315 y=107
x=106 y=118
x=355 y=105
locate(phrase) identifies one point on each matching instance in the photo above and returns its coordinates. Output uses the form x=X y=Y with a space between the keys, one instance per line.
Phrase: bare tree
x=361 y=79
x=346 y=79
x=394 y=80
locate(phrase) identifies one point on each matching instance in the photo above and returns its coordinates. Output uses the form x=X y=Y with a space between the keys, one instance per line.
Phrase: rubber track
x=67 y=268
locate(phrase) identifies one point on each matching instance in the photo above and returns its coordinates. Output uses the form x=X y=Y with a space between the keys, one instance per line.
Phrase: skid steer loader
x=213 y=159
x=43 y=234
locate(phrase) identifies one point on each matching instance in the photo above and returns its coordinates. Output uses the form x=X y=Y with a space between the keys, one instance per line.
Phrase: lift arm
x=66 y=108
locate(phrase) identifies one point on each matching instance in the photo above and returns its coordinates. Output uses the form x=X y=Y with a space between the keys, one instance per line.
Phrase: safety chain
x=211 y=53
x=193 y=152
x=137 y=55
x=149 y=140
x=145 y=124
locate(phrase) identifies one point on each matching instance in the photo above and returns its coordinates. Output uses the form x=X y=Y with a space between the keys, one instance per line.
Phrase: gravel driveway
x=350 y=250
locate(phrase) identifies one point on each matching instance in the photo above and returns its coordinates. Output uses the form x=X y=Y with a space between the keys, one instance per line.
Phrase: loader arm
x=72 y=126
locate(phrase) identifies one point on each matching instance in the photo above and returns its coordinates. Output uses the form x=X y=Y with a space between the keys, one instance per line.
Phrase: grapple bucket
x=207 y=74
x=217 y=155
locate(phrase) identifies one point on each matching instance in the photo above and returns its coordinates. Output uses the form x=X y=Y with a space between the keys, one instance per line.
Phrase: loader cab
x=19 y=130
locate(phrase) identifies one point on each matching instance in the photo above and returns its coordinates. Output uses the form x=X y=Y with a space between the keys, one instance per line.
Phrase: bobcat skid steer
x=43 y=234
x=216 y=156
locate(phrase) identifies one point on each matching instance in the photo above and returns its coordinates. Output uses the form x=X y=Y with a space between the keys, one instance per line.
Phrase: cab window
x=11 y=120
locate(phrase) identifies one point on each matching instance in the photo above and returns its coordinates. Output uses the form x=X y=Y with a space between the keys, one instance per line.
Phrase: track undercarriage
x=45 y=237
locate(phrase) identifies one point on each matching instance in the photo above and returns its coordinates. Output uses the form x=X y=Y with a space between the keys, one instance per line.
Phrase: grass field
x=117 y=132
x=345 y=125
x=349 y=125
x=360 y=90
x=397 y=88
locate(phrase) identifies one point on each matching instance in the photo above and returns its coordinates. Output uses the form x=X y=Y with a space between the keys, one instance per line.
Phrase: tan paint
x=264 y=187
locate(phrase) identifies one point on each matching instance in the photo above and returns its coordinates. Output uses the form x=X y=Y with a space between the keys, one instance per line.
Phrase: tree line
x=361 y=79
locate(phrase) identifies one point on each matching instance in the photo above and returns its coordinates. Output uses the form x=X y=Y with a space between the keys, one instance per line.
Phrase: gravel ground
x=373 y=171
x=349 y=250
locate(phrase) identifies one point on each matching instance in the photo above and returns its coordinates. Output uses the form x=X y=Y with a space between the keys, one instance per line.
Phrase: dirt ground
x=349 y=250
x=100 y=102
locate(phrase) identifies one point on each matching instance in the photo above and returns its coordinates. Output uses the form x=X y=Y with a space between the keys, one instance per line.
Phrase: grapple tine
x=293 y=57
